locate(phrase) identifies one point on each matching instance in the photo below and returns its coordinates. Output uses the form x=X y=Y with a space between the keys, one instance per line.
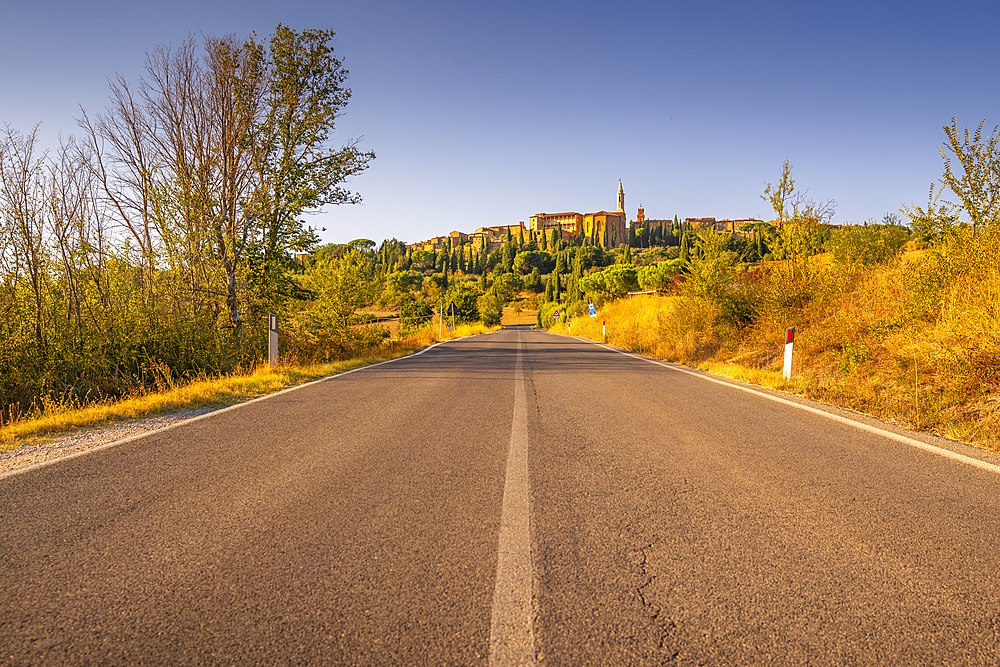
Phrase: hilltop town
x=608 y=229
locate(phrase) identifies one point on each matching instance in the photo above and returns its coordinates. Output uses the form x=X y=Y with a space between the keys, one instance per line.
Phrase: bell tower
x=621 y=197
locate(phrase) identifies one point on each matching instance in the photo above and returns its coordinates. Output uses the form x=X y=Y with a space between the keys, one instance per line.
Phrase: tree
x=465 y=297
x=613 y=282
x=218 y=156
x=299 y=169
x=977 y=182
x=342 y=287
x=780 y=195
x=928 y=223
x=685 y=248
x=507 y=257
x=791 y=204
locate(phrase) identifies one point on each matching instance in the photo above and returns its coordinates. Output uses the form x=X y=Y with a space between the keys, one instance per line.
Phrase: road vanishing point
x=516 y=498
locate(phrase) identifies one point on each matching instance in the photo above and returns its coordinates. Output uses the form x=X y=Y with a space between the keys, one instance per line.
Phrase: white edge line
x=940 y=451
x=131 y=438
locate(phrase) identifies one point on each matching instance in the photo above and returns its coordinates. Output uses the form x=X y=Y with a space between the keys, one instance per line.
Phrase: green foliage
x=528 y=261
x=613 y=282
x=403 y=281
x=659 y=276
x=365 y=246
x=533 y=281
x=547 y=310
x=976 y=182
x=505 y=287
x=414 y=314
x=593 y=257
x=490 y=309
x=867 y=244
x=798 y=239
x=401 y=287
x=423 y=261
x=342 y=287
x=152 y=251
x=465 y=297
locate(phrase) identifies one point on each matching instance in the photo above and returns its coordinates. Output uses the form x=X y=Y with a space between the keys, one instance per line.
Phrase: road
x=514 y=498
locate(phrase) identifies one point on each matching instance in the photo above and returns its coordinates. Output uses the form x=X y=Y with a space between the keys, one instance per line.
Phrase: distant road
x=518 y=497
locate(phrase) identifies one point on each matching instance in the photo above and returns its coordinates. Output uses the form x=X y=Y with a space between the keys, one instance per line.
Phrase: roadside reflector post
x=604 y=330
x=272 y=340
x=789 y=344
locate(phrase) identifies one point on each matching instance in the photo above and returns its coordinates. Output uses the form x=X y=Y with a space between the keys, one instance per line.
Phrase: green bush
x=414 y=314
x=464 y=296
x=490 y=309
x=659 y=275
x=611 y=283
x=867 y=244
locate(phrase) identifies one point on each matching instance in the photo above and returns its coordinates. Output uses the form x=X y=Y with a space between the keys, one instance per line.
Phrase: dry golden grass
x=213 y=392
x=916 y=342
x=209 y=392
x=513 y=317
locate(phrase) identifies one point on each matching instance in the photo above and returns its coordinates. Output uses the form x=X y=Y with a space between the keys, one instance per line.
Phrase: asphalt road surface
x=515 y=498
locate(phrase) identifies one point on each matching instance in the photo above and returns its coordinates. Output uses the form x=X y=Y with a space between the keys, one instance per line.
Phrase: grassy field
x=53 y=419
x=915 y=342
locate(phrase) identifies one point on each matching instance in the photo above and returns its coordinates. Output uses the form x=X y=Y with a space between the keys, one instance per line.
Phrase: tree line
x=149 y=246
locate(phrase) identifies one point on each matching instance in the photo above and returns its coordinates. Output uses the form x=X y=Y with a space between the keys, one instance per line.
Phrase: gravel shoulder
x=80 y=440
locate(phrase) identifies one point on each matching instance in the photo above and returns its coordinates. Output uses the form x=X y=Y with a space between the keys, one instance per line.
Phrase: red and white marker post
x=604 y=330
x=789 y=344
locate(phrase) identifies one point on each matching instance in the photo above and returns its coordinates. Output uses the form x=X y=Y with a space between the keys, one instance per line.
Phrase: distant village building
x=608 y=227
x=484 y=237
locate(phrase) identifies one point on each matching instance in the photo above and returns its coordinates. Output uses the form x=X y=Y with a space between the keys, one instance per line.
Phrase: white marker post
x=604 y=330
x=272 y=340
x=789 y=344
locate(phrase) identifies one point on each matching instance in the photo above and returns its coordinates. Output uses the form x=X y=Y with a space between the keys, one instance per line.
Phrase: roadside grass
x=53 y=418
x=915 y=342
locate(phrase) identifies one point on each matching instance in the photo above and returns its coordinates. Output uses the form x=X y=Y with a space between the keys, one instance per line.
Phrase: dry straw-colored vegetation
x=50 y=418
x=914 y=340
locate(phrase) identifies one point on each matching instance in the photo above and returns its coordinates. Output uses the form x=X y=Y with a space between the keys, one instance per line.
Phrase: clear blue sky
x=486 y=113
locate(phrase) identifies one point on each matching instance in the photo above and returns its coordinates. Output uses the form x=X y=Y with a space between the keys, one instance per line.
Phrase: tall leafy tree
x=975 y=179
x=300 y=167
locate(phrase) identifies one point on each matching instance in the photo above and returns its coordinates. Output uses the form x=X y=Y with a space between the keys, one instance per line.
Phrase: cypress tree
x=549 y=288
x=685 y=249
x=507 y=258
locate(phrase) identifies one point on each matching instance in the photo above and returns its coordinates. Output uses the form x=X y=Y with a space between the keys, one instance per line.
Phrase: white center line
x=512 y=627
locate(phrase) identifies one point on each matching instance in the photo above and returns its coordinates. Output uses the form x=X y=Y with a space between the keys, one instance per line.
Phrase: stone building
x=609 y=228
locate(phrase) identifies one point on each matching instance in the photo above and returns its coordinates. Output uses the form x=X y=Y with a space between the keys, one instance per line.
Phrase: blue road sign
x=593 y=311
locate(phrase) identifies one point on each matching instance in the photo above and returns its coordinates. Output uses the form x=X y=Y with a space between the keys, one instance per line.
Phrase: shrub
x=867 y=244
x=490 y=309
x=659 y=276
x=464 y=296
x=414 y=314
x=611 y=283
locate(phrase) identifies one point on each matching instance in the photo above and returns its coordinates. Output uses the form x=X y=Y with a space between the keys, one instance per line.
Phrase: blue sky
x=486 y=113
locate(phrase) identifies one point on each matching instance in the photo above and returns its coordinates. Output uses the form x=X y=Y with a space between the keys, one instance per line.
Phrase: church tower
x=621 y=198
